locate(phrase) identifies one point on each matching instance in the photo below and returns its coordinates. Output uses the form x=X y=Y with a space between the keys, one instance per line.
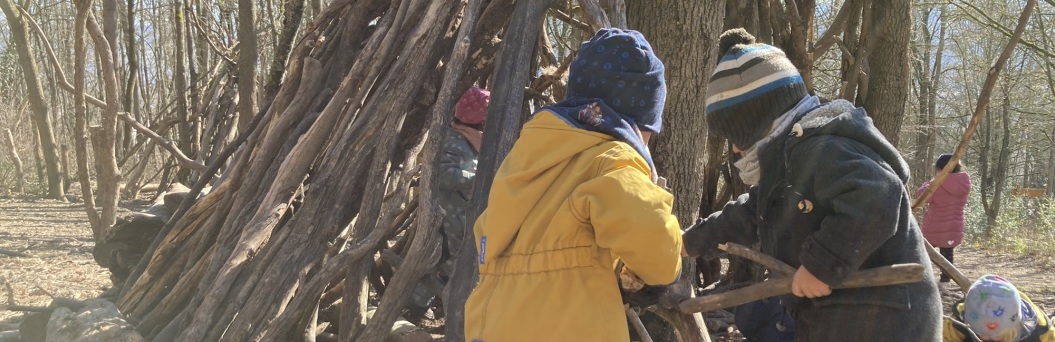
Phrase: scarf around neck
x=749 y=166
x=473 y=136
x=594 y=115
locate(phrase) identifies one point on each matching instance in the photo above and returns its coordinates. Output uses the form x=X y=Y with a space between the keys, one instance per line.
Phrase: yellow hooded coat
x=566 y=205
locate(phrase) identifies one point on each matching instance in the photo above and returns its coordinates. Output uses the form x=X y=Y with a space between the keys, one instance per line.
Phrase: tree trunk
x=986 y=185
x=291 y=18
x=80 y=133
x=247 y=58
x=927 y=75
x=132 y=79
x=183 y=109
x=1001 y=167
x=676 y=150
x=104 y=137
x=40 y=116
x=801 y=14
x=889 y=66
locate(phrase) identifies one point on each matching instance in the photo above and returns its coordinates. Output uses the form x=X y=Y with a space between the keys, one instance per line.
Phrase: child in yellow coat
x=994 y=310
x=575 y=197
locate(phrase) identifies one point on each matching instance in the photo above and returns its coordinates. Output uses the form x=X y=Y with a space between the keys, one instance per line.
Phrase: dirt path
x=1034 y=277
x=59 y=241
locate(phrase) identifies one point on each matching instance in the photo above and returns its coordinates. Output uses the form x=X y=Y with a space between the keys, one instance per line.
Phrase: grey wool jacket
x=457 y=172
x=832 y=198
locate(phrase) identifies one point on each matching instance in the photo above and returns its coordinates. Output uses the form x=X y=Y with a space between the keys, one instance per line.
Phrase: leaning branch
x=60 y=75
x=979 y=110
x=567 y=19
x=183 y=160
x=831 y=35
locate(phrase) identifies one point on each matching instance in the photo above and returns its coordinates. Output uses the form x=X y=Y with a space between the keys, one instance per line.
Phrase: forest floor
x=57 y=240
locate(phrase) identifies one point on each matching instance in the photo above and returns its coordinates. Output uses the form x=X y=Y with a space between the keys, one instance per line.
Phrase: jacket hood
x=548 y=140
x=842 y=118
x=957 y=184
x=535 y=163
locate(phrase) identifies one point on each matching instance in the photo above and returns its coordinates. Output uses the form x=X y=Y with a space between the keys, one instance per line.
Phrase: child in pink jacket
x=943 y=223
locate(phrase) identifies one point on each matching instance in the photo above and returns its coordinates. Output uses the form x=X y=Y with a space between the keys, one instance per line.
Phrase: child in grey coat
x=828 y=198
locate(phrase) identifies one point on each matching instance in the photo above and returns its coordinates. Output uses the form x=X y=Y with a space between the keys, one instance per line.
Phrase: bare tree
x=41 y=118
x=927 y=71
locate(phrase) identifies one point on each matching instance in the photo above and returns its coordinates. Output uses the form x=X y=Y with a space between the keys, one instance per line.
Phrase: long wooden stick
x=979 y=110
x=880 y=276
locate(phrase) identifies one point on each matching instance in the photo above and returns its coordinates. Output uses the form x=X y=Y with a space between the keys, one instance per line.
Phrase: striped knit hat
x=752 y=86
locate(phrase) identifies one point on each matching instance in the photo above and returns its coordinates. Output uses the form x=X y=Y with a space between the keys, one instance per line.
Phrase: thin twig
x=576 y=23
x=45 y=291
x=10 y=291
x=214 y=45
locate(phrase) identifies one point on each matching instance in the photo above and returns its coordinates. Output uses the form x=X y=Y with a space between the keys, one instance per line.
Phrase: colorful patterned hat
x=993 y=308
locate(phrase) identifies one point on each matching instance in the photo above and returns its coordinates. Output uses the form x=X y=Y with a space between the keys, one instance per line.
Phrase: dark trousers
x=947 y=253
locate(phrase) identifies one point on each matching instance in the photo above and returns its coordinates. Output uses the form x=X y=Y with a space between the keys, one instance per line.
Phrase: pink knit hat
x=472 y=107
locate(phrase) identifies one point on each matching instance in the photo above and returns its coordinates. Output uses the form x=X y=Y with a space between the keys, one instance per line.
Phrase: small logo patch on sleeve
x=483 y=248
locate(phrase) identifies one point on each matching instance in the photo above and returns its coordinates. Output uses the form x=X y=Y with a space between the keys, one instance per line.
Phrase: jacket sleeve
x=451 y=175
x=736 y=223
x=922 y=188
x=632 y=217
x=864 y=199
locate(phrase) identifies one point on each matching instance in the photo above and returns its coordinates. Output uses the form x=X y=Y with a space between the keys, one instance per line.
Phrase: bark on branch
x=831 y=35
x=781 y=284
x=595 y=15
x=183 y=160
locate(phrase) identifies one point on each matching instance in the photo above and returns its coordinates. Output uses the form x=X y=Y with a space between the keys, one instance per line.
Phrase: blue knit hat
x=618 y=67
x=753 y=85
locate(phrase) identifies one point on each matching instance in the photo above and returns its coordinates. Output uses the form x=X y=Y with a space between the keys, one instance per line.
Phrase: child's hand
x=804 y=284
